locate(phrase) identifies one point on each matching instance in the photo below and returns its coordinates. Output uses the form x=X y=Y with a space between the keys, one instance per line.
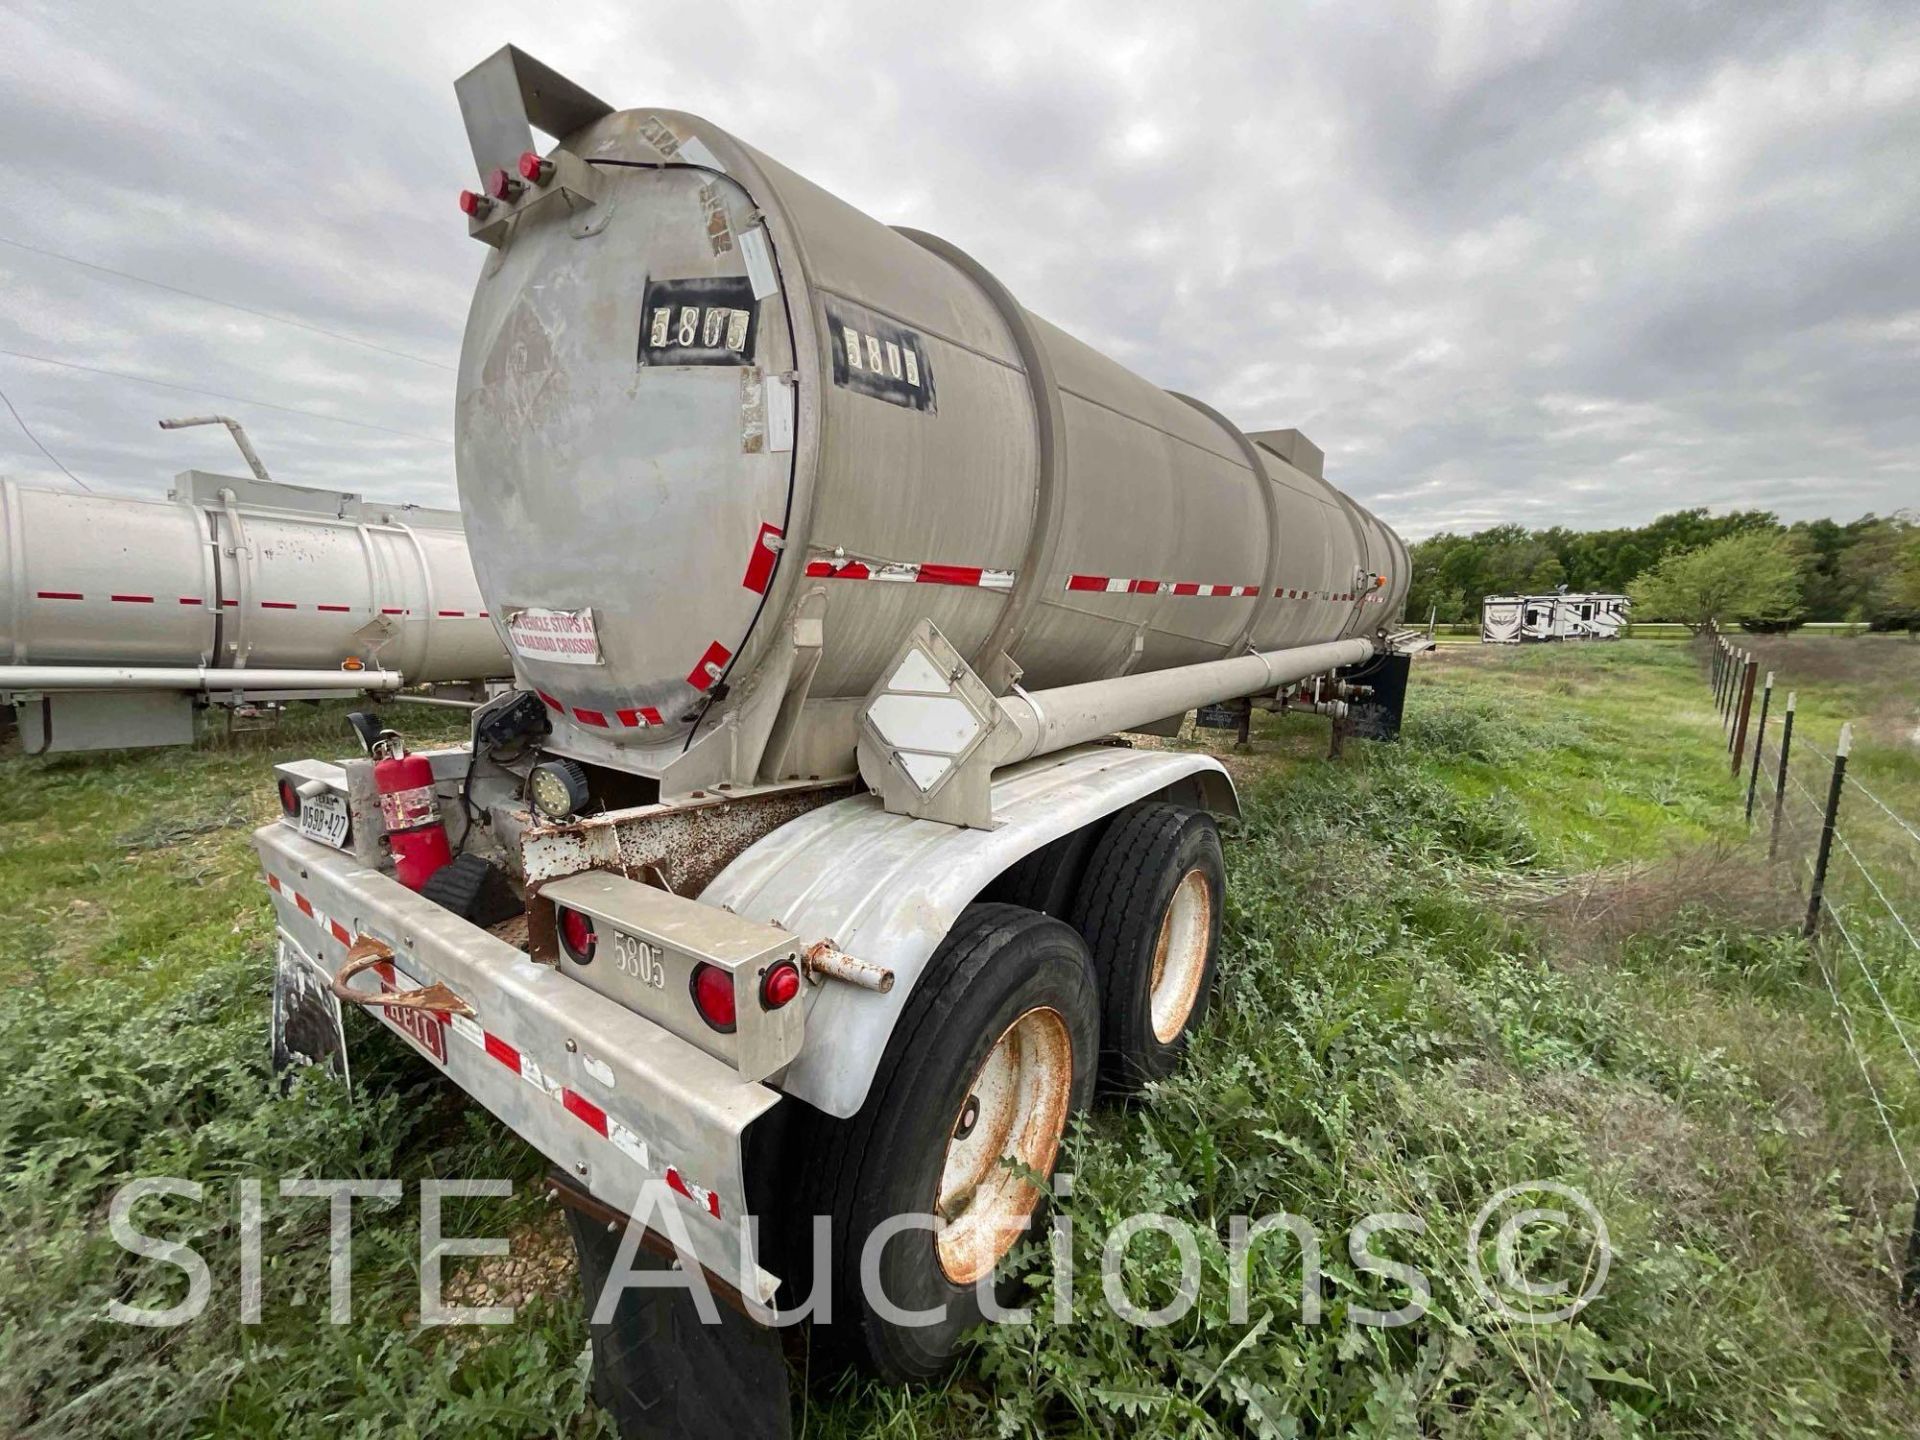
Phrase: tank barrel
x=816 y=431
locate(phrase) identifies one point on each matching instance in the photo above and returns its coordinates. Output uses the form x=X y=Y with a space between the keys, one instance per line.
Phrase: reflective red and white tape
x=1119 y=585
x=594 y=1116
x=1115 y=585
x=327 y=609
x=629 y=719
x=828 y=566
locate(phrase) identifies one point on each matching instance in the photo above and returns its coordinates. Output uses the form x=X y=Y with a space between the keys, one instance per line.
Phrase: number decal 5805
x=636 y=958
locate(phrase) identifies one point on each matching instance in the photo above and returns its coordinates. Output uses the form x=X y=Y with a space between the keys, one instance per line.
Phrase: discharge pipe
x=202 y=678
x=1050 y=720
x=234 y=429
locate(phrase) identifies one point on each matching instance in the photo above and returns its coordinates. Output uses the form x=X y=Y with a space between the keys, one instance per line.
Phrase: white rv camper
x=1511 y=619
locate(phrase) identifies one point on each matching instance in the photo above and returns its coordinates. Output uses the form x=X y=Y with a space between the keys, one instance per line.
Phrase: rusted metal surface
x=513 y=930
x=1015 y=1109
x=1180 y=955
x=826 y=961
x=678 y=844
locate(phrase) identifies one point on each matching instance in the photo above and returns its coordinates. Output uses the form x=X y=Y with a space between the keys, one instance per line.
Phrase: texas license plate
x=324 y=818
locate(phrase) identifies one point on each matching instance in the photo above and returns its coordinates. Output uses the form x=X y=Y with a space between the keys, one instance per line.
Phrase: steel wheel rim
x=1180 y=955
x=1016 y=1105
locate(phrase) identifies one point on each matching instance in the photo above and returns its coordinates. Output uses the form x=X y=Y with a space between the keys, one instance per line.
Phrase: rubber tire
x=1134 y=871
x=1048 y=879
x=997 y=962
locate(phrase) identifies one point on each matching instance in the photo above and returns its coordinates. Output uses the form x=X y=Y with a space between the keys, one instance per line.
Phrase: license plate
x=565 y=637
x=324 y=818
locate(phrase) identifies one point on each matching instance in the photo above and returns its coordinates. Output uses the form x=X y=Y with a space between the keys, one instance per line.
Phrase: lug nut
x=534 y=170
x=502 y=186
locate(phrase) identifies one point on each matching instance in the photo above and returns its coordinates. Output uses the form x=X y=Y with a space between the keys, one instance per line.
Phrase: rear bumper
x=611 y=1098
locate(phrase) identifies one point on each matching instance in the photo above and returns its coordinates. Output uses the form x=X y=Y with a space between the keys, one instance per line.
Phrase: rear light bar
x=780 y=985
x=577 y=936
x=713 y=997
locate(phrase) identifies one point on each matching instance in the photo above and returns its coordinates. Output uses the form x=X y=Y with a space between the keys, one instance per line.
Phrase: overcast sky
x=1553 y=263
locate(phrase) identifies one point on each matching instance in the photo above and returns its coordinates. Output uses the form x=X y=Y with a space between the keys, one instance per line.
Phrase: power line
x=40 y=447
x=228 y=304
x=223 y=395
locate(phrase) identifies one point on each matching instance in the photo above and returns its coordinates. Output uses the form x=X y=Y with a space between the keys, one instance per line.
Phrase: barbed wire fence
x=1855 y=860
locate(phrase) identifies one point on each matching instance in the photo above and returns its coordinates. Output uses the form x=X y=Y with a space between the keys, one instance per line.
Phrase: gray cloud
x=1570 y=264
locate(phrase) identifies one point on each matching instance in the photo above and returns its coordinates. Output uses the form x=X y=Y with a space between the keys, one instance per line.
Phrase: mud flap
x=660 y=1373
x=1378 y=716
x=307 y=1029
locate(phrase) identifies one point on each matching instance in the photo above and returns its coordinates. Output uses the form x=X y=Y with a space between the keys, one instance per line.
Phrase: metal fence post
x=1826 y=831
x=1910 y=1278
x=1748 y=674
x=1759 y=744
x=1780 y=779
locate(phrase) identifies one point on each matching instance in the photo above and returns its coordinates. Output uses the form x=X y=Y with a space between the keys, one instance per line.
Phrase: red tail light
x=779 y=985
x=713 y=997
x=289 y=798
x=576 y=936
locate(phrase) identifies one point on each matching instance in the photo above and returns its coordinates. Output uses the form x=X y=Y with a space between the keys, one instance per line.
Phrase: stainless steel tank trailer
x=800 y=876
x=121 y=617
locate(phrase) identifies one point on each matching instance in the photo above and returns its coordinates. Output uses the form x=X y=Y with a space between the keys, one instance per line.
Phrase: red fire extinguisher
x=411 y=812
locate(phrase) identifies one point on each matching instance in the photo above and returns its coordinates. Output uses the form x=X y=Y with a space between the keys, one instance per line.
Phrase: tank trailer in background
x=121 y=617
x=800 y=875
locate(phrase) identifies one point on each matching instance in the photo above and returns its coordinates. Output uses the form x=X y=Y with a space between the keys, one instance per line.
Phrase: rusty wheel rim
x=1180 y=956
x=1015 y=1108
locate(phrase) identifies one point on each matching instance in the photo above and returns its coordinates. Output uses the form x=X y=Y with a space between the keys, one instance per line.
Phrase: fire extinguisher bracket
x=410 y=812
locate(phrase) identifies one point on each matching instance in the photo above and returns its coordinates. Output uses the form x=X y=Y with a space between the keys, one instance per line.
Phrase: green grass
x=1529 y=941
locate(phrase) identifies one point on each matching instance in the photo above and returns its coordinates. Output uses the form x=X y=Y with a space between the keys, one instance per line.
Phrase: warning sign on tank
x=708 y=320
x=877 y=357
x=565 y=637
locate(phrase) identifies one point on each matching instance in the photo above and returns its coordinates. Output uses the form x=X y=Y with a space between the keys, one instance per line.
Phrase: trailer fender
x=886 y=888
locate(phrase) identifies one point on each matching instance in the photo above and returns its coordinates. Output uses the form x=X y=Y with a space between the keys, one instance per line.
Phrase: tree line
x=1745 y=567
